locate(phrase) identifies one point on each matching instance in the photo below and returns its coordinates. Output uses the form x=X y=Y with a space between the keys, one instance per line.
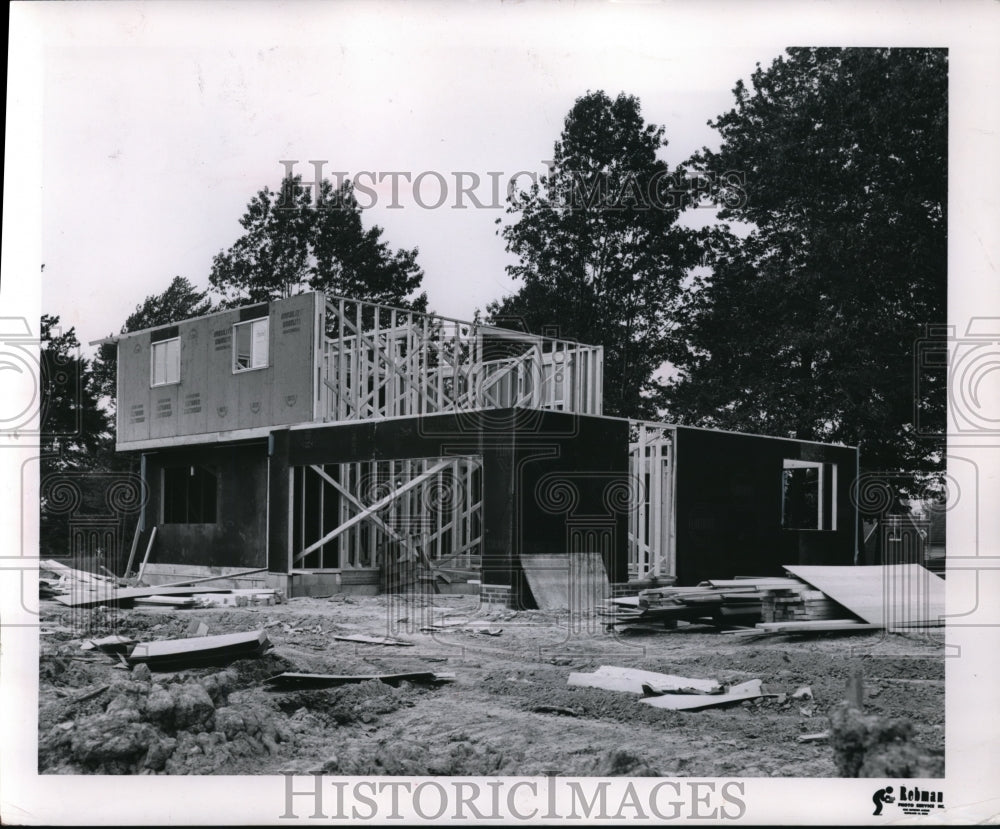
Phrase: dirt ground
x=97 y=716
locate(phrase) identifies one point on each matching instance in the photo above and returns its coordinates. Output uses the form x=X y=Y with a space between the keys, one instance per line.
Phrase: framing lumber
x=135 y=544
x=380 y=504
x=145 y=558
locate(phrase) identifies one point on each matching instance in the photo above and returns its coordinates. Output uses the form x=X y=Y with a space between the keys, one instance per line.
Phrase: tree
x=75 y=432
x=600 y=258
x=180 y=301
x=806 y=326
x=291 y=243
x=72 y=421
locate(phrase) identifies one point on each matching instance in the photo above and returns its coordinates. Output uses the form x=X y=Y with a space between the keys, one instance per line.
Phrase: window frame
x=236 y=369
x=152 y=362
x=826 y=490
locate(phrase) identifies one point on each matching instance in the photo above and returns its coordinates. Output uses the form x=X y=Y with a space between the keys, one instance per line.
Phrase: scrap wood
x=812 y=738
x=680 y=702
x=292 y=680
x=631 y=680
x=173 y=654
x=373 y=640
x=71 y=573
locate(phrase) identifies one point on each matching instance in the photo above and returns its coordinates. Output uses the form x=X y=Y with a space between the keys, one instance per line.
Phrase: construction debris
x=174 y=654
x=297 y=681
x=633 y=681
x=689 y=702
x=106 y=594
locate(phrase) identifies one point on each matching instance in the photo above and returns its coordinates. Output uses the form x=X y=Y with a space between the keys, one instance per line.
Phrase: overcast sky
x=161 y=122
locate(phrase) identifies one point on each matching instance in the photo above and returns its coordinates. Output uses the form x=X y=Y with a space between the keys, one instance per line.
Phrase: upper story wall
x=200 y=392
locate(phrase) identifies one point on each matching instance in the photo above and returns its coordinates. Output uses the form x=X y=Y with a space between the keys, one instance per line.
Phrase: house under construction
x=345 y=446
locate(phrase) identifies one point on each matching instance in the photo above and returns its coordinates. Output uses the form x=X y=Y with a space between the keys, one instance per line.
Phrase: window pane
x=801 y=494
x=173 y=360
x=241 y=347
x=260 y=332
x=158 y=363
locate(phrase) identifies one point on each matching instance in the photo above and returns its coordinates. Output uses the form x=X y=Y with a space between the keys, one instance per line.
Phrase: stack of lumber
x=722 y=602
x=895 y=597
x=798 y=604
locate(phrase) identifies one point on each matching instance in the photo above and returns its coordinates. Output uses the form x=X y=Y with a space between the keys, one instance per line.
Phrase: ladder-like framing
x=380 y=362
x=652 y=527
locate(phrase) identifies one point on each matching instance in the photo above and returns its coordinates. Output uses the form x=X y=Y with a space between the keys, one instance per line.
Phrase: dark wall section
x=529 y=458
x=572 y=491
x=729 y=506
x=237 y=537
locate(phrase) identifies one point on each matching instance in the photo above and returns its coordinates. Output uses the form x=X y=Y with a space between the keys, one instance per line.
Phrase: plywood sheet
x=293 y=337
x=133 y=388
x=891 y=595
x=191 y=414
x=561 y=581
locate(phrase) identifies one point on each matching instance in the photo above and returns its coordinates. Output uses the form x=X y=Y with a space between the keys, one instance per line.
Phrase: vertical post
x=641 y=534
x=319 y=518
x=342 y=384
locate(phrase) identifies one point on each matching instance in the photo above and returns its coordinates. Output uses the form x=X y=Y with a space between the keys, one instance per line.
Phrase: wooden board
x=561 y=581
x=631 y=680
x=127 y=594
x=693 y=702
x=373 y=640
x=888 y=595
x=199 y=650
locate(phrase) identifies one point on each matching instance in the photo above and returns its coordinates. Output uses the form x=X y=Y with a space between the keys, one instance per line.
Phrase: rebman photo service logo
x=908 y=799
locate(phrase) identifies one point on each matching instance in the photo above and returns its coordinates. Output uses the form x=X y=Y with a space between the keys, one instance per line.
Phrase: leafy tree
x=180 y=301
x=291 y=243
x=600 y=258
x=806 y=326
x=75 y=433
x=73 y=424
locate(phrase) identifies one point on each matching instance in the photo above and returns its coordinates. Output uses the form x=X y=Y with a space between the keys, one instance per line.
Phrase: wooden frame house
x=331 y=441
